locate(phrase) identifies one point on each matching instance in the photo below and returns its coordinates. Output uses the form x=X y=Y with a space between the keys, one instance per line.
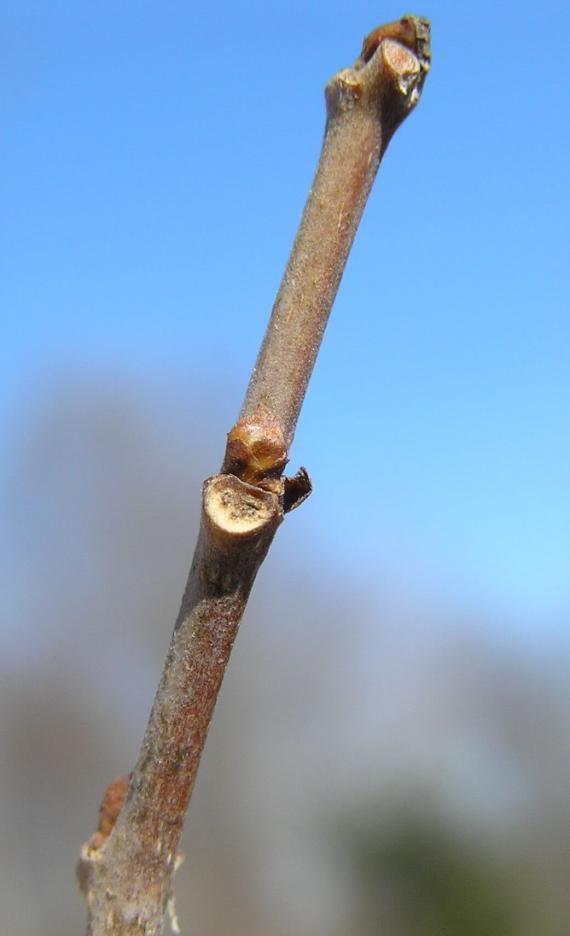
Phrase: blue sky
x=155 y=161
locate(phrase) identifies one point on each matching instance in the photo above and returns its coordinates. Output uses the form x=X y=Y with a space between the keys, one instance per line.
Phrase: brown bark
x=126 y=868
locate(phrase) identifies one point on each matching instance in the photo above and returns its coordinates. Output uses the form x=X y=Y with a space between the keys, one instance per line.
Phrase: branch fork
x=126 y=868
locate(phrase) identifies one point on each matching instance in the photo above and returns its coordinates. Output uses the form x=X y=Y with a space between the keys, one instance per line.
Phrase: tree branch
x=126 y=868
x=365 y=105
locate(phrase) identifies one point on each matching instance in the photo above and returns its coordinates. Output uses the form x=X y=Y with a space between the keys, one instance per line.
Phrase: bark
x=126 y=868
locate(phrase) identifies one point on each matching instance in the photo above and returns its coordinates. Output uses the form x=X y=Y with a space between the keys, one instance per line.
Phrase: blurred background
x=391 y=748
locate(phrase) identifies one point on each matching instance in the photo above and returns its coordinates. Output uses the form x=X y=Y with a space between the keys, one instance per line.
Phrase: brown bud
x=410 y=31
x=109 y=810
x=256 y=448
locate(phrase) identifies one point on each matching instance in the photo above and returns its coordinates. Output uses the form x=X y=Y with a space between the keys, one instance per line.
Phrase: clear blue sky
x=155 y=160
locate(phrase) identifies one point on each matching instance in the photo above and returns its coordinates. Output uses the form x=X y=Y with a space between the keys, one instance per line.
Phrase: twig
x=126 y=868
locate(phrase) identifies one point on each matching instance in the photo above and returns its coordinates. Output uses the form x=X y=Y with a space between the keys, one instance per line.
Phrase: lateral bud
x=256 y=448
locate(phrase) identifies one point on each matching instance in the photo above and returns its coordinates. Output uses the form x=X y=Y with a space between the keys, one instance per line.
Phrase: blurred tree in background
x=415 y=878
